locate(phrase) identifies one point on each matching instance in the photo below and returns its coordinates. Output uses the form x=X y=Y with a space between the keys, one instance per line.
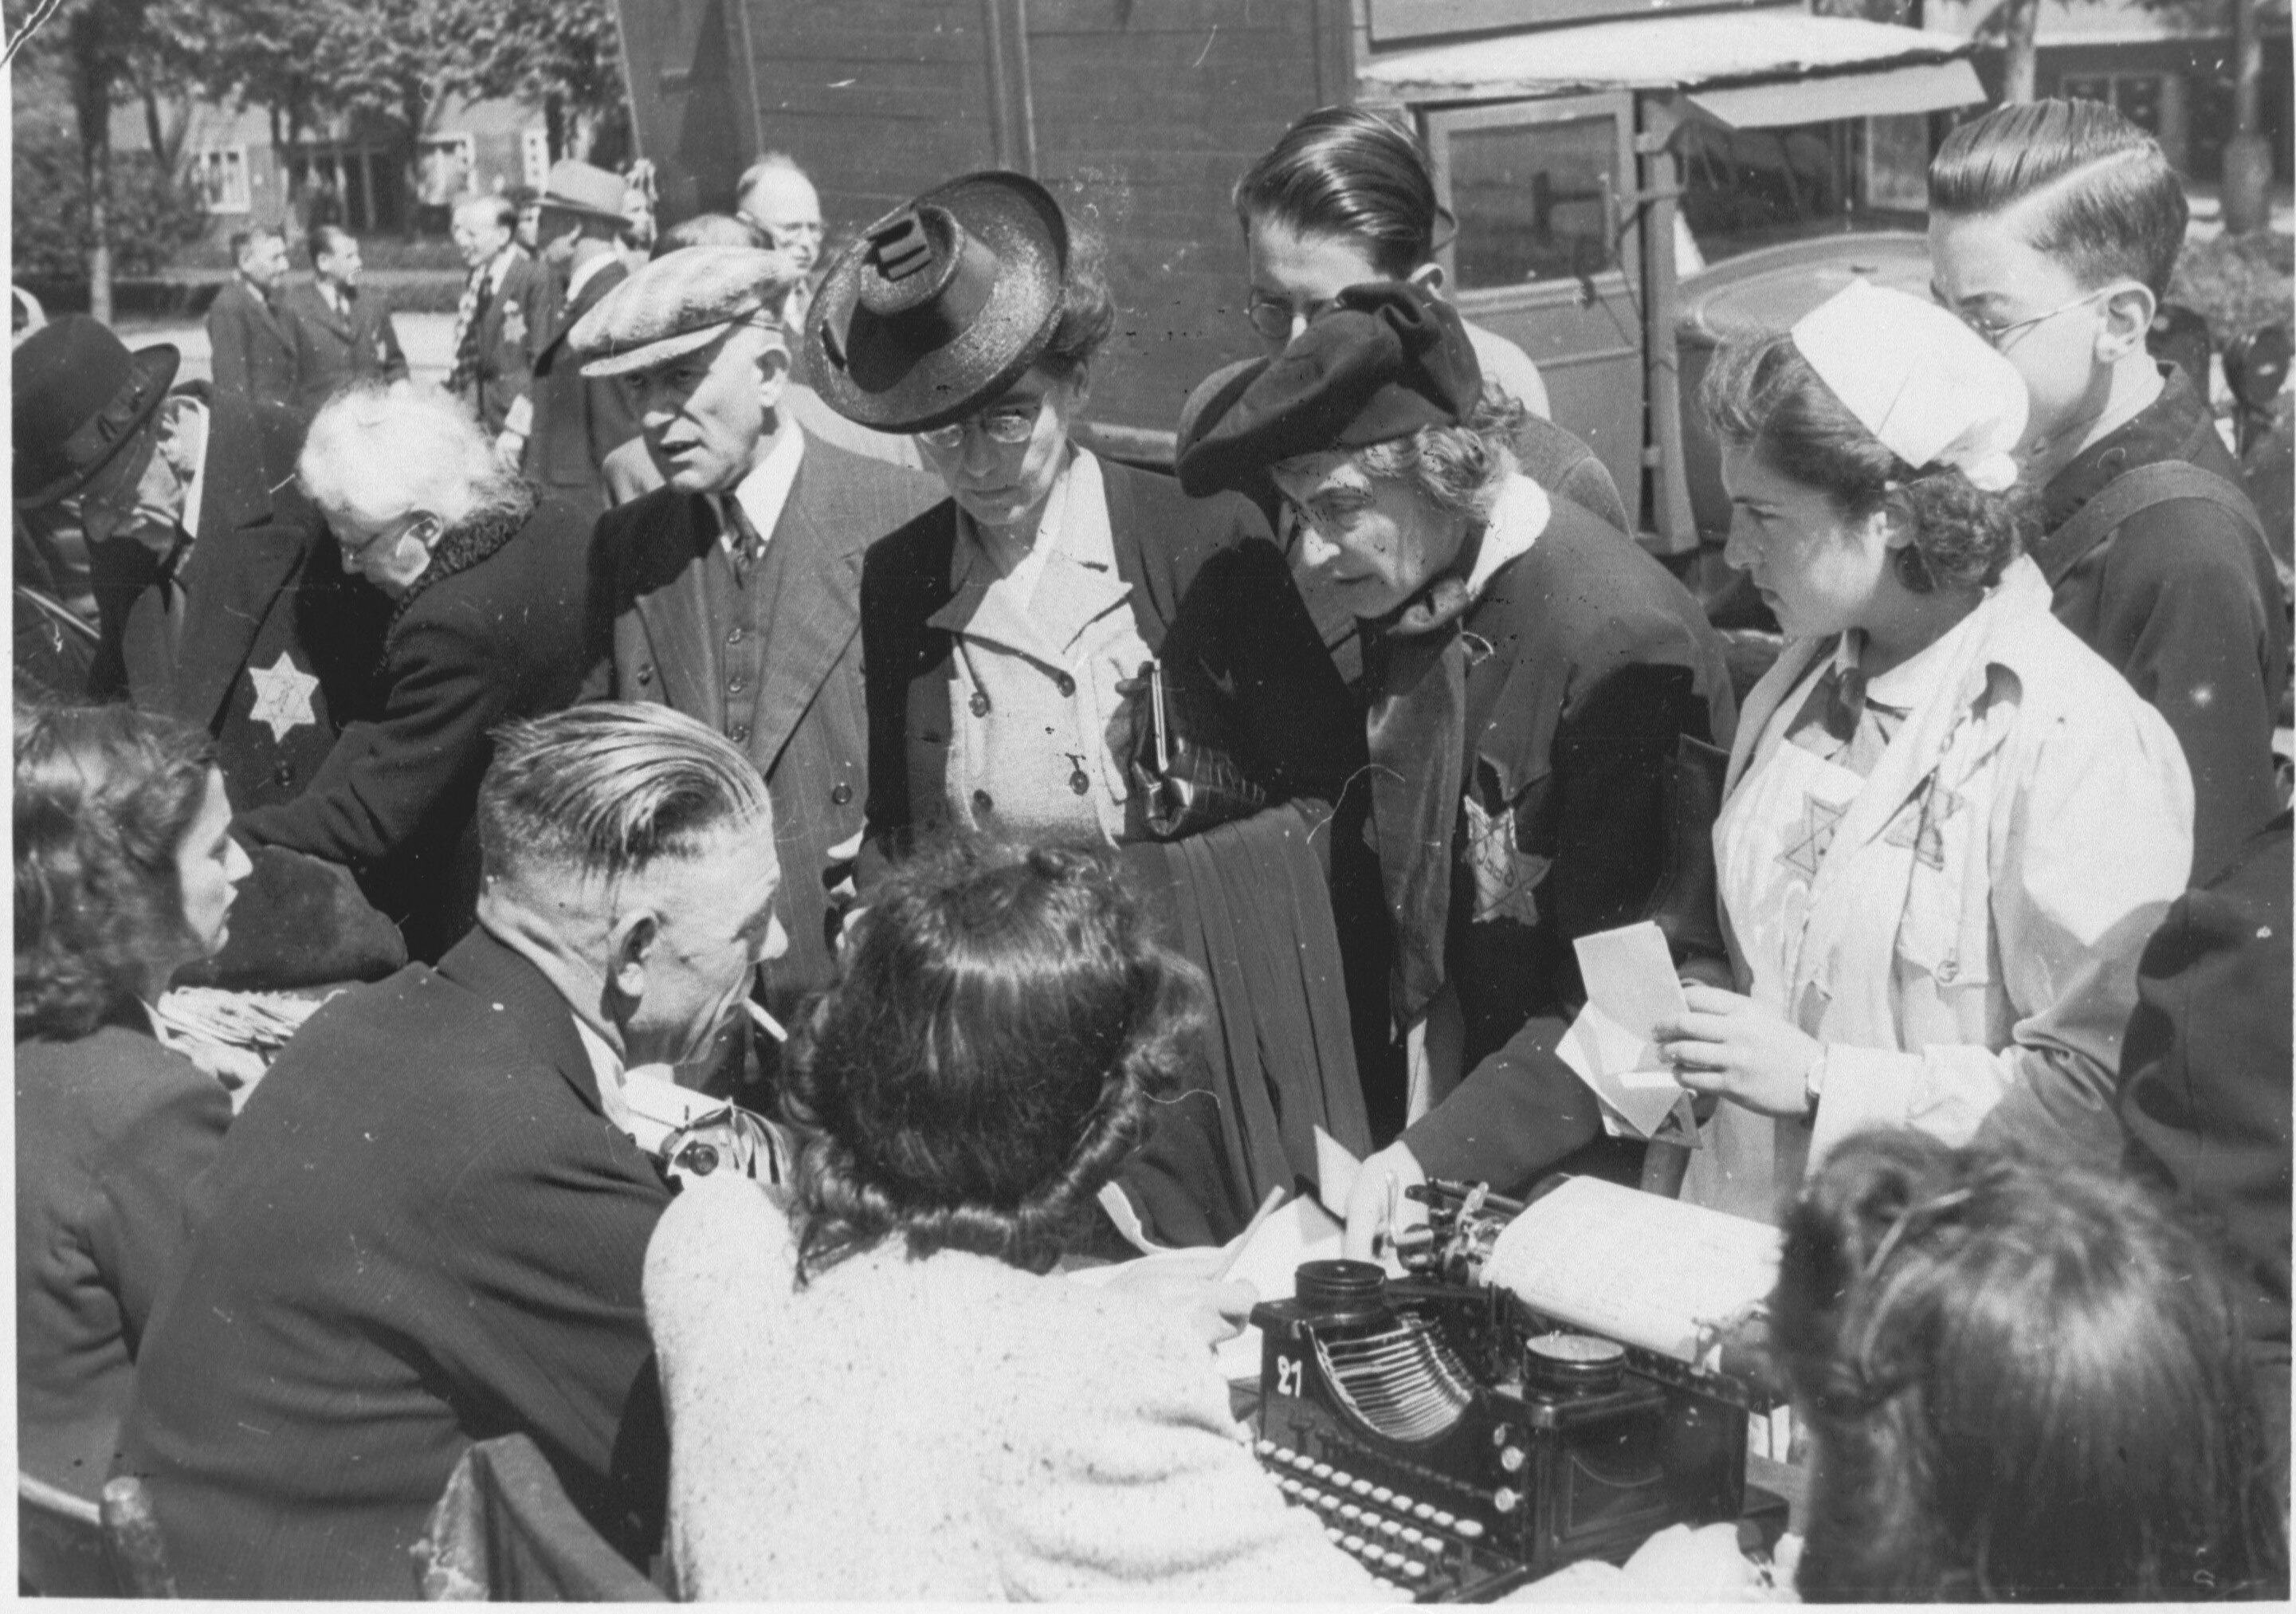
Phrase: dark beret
x=1385 y=359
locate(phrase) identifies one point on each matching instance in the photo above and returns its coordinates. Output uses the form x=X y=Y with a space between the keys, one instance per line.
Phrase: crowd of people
x=819 y=850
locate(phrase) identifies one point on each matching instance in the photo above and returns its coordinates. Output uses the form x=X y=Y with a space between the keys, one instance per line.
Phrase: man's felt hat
x=1385 y=359
x=941 y=305
x=584 y=190
x=83 y=402
x=681 y=301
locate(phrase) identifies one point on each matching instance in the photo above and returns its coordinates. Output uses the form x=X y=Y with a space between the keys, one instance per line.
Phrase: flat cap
x=681 y=301
x=1385 y=359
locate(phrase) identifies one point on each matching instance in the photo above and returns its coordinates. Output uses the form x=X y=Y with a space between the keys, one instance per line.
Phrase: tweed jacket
x=1588 y=666
x=2007 y=938
x=278 y=646
x=2183 y=601
x=576 y=422
x=510 y=335
x=422 y=1232
x=395 y=801
x=650 y=640
x=949 y=1428
x=111 y=1129
x=359 y=345
x=256 y=345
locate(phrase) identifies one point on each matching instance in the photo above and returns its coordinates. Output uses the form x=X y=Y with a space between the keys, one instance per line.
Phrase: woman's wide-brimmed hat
x=941 y=305
x=82 y=401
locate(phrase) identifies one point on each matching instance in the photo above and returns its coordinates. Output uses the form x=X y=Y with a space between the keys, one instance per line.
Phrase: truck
x=1629 y=181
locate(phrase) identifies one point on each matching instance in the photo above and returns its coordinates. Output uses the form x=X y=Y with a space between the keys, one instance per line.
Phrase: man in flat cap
x=567 y=423
x=734 y=593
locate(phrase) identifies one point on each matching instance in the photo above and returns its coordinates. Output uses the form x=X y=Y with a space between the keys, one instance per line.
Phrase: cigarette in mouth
x=771 y=1026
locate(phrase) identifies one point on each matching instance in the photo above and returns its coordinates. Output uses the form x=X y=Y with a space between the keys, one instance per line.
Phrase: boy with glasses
x=2054 y=229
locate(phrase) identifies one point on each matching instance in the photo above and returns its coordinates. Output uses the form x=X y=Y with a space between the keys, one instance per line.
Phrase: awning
x=1924 y=86
x=1785 y=49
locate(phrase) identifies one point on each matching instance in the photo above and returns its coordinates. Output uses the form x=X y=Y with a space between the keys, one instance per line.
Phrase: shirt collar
x=1913 y=681
x=499 y=267
x=765 y=491
x=642 y=1101
x=2160 y=430
x=195 y=421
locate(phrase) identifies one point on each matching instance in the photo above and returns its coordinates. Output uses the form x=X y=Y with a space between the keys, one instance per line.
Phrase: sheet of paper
x=1631 y=987
x=1635 y=1266
x=1299 y=1230
x=1336 y=1169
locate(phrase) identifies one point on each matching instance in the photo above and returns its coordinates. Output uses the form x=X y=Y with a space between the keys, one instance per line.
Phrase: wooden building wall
x=1139 y=114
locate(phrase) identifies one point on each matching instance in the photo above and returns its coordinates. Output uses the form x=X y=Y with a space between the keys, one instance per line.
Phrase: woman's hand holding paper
x=1734 y=1047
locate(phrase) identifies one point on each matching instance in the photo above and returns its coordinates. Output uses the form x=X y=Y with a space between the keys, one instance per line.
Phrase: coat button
x=734 y=685
x=734 y=637
x=739 y=733
x=1948 y=971
x=1065 y=684
x=283 y=773
x=842 y=795
x=981 y=802
x=980 y=704
x=645 y=672
x=1078 y=783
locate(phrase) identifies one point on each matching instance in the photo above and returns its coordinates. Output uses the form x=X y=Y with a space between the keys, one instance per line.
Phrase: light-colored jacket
x=950 y=1429
x=2014 y=946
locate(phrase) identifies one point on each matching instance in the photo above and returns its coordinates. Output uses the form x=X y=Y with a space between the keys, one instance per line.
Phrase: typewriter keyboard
x=1403 y=1540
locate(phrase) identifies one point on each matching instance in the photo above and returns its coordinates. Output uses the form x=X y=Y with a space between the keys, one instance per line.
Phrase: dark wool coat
x=577 y=422
x=510 y=335
x=650 y=640
x=422 y=1232
x=359 y=345
x=111 y=1129
x=2183 y=601
x=395 y=801
x=256 y=344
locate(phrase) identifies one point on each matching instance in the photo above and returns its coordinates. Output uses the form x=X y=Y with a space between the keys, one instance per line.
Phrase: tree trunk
x=2019 y=20
x=2247 y=189
x=91 y=102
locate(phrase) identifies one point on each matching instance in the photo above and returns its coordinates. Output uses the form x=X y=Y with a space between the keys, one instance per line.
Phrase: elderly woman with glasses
x=1069 y=648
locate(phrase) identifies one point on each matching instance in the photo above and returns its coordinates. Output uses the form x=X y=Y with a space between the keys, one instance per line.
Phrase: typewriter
x=1459 y=1442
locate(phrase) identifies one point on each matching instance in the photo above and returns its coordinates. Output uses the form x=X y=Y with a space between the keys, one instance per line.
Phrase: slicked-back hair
x=601 y=791
x=1002 y=1017
x=500 y=207
x=105 y=797
x=1341 y=170
x=325 y=240
x=2111 y=207
x=241 y=240
x=770 y=162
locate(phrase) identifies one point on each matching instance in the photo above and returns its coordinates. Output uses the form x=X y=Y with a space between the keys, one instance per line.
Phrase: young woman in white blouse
x=1949 y=826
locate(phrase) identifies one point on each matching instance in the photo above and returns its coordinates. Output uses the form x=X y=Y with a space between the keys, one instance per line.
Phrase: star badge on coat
x=1506 y=877
x=1806 y=848
x=283 y=697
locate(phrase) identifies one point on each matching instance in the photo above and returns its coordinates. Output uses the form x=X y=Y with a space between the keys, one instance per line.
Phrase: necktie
x=171 y=584
x=464 y=377
x=747 y=546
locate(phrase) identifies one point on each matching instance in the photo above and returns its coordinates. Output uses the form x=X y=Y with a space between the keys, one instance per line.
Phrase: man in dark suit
x=253 y=339
x=499 y=319
x=428 y=1226
x=568 y=424
x=345 y=334
x=218 y=598
x=734 y=593
x=485 y=586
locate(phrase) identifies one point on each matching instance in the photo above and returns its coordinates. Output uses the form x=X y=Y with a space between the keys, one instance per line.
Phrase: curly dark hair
x=1002 y=1017
x=2021 y=1379
x=1760 y=393
x=105 y=797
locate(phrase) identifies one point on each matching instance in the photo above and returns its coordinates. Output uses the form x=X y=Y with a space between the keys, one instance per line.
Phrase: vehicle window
x=1749 y=188
x=1533 y=201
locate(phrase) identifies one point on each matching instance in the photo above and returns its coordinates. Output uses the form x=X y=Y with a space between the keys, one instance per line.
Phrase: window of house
x=219 y=175
x=2135 y=96
x=446 y=167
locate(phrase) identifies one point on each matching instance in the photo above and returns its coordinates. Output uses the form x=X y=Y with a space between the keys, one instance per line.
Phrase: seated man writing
x=428 y=1226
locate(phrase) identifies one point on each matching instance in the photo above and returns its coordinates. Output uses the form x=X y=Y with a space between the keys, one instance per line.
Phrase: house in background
x=2164 y=64
x=366 y=179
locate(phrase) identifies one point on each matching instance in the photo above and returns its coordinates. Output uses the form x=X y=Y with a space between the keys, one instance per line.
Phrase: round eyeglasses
x=2001 y=338
x=1273 y=317
x=1010 y=424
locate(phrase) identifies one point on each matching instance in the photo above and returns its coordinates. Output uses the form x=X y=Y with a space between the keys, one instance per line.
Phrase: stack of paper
x=1631 y=985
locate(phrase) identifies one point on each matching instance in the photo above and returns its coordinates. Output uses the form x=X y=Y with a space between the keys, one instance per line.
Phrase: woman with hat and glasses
x=1070 y=648
x=1537 y=692
x=1949 y=826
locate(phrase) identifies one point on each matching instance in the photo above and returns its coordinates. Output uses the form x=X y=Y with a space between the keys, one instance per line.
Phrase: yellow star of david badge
x=1506 y=877
x=1806 y=848
x=283 y=697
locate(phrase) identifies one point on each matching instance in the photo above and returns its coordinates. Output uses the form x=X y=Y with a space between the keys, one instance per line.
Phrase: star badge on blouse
x=1920 y=823
x=283 y=697
x=1807 y=848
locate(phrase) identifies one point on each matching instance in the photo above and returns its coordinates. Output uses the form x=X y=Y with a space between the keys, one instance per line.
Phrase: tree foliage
x=50 y=232
x=564 y=55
